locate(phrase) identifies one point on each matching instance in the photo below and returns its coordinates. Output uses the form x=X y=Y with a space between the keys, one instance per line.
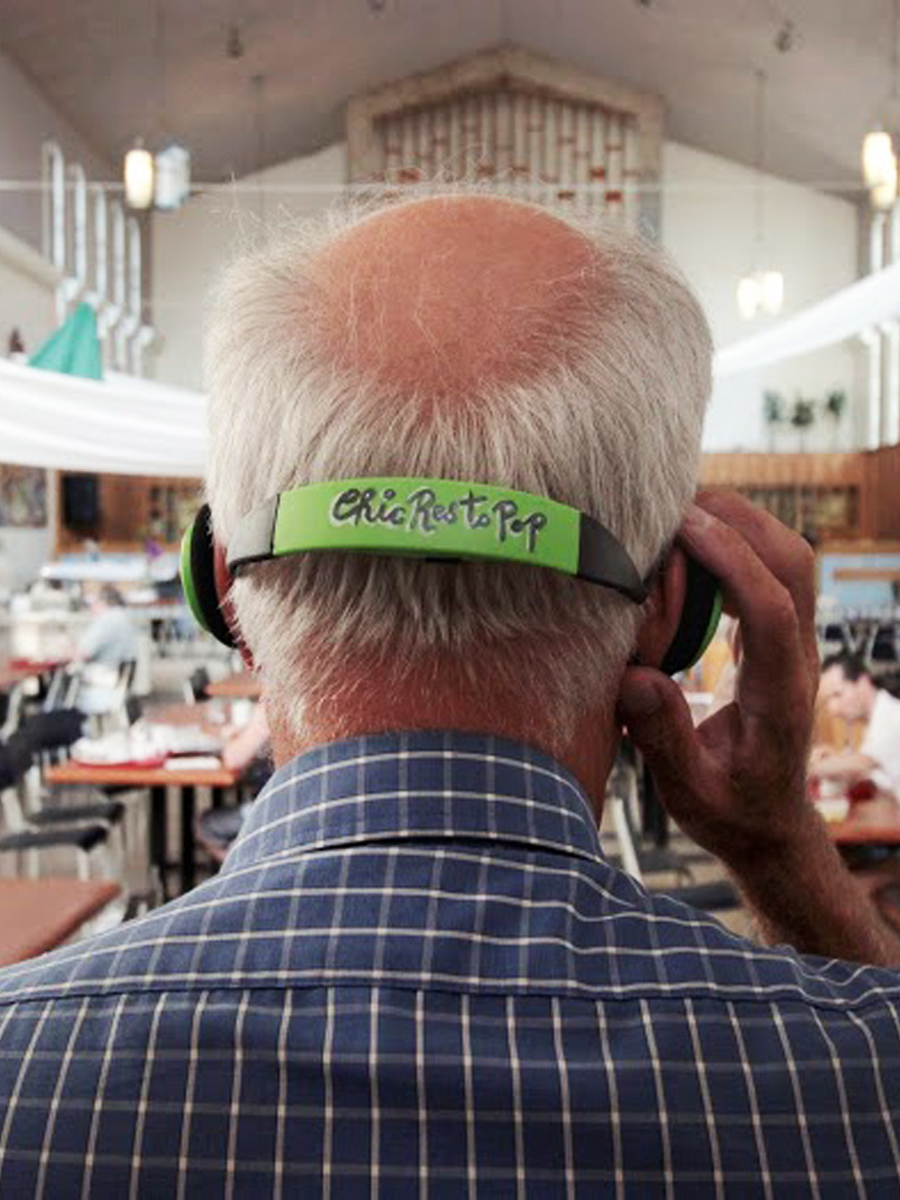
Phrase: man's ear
x=663 y=609
x=224 y=580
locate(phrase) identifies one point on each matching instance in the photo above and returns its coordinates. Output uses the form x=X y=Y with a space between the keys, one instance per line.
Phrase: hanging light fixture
x=879 y=157
x=748 y=297
x=173 y=177
x=163 y=181
x=883 y=195
x=762 y=290
x=771 y=292
x=139 y=175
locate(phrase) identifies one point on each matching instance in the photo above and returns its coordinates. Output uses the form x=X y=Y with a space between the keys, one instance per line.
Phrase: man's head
x=467 y=337
x=846 y=687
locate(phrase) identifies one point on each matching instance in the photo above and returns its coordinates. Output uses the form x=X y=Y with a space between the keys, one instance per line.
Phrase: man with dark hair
x=848 y=690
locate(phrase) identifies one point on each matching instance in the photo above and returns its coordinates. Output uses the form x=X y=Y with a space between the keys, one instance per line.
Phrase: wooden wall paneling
x=123 y=507
x=880 y=493
x=813 y=493
x=888 y=492
x=133 y=508
x=781 y=470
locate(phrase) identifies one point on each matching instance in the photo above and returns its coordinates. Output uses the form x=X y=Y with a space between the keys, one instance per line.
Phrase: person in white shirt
x=849 y=692
x=109 y=641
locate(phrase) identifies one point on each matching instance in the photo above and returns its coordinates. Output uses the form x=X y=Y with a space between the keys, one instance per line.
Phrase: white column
x=892 y=345
x=872 y=339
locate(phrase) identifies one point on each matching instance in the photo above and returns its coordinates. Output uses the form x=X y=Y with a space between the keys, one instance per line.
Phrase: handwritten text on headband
x=421 y=512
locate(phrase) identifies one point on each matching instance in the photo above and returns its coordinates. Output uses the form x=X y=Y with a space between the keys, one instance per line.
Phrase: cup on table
x=832 y=789
x=241 y=712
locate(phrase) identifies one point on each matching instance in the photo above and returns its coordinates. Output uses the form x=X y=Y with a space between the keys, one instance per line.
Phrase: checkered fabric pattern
x=418 y=976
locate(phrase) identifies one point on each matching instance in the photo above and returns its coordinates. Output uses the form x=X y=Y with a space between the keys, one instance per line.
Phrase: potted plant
x=802 y=417
x=774 y=414
x=835 y=405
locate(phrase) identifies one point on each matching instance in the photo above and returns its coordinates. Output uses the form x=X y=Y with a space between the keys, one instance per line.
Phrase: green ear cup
x=198 y=578
x=699 y=620
x=187 y=578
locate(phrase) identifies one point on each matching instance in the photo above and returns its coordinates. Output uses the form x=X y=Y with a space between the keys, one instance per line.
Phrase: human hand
x=737 y=782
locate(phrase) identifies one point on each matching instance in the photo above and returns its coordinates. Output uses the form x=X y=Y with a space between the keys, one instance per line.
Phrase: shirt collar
x=427 y=785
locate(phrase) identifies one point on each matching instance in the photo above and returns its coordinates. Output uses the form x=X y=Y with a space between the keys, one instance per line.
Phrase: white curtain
x=847 y=313
x=121 y=425
x=130 y=426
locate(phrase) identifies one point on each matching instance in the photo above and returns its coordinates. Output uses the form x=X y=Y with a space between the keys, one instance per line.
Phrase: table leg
x=159 y=836
x=188 y=806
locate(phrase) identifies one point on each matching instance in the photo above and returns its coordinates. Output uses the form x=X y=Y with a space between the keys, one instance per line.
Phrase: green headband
x=435 y=519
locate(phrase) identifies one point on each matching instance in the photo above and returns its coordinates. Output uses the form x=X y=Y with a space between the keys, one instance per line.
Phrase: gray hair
x=611 y=427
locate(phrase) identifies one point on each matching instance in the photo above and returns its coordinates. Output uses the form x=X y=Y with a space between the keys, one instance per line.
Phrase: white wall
x=26 y=121
x=27 y=284
x=191 y=246
x=27 y=550
x=708 y=225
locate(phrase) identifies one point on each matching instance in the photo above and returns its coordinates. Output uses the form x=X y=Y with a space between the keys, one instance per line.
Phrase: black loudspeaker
x=81 y=503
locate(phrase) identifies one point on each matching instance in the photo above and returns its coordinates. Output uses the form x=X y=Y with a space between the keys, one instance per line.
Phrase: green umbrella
x=75 y=348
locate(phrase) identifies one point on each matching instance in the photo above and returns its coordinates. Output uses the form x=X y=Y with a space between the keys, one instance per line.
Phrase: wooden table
x=157 y=780
x=16 y=670
x=213 y=716
x=243 y=686
x=862 y=833
x=37 y=915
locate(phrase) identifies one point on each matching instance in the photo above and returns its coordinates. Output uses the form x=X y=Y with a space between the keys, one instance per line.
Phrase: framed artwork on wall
x=23 y=497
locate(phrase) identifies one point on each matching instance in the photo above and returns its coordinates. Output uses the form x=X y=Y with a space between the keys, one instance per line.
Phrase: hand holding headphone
x=737 y=782
x=441 y=520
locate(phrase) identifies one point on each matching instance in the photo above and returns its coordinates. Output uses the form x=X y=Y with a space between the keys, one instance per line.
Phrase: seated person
x=249 y=744
x=109 y=641
x=247 y=749
x=848 y=690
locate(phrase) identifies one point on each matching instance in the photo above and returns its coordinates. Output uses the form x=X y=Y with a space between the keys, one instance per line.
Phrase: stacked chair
x=45 y=826
x=35 y=829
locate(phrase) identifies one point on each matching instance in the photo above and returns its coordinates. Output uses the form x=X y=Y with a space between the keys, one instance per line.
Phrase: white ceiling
x=116 y=70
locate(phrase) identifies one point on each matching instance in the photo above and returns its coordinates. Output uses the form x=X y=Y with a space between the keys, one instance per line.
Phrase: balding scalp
x=447 y=297
x=461 y=337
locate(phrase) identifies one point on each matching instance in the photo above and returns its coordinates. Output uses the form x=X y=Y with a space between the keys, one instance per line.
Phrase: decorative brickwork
x=528 y=126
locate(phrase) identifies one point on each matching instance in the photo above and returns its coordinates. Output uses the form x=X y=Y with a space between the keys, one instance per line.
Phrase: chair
x=50 y=734
x=100 y=691
x=11 y=702
x=195 y=687
x=622 y=801
x=217 y=828
x=15 y=763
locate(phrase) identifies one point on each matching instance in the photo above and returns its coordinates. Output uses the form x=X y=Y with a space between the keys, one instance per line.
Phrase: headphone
x=439 y=520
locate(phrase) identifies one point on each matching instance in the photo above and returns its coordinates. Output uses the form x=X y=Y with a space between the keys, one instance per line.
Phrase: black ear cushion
x=701 y=608
x=203 y=575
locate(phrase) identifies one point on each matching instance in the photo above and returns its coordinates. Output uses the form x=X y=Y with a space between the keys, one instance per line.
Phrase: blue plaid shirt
x=418 y=976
